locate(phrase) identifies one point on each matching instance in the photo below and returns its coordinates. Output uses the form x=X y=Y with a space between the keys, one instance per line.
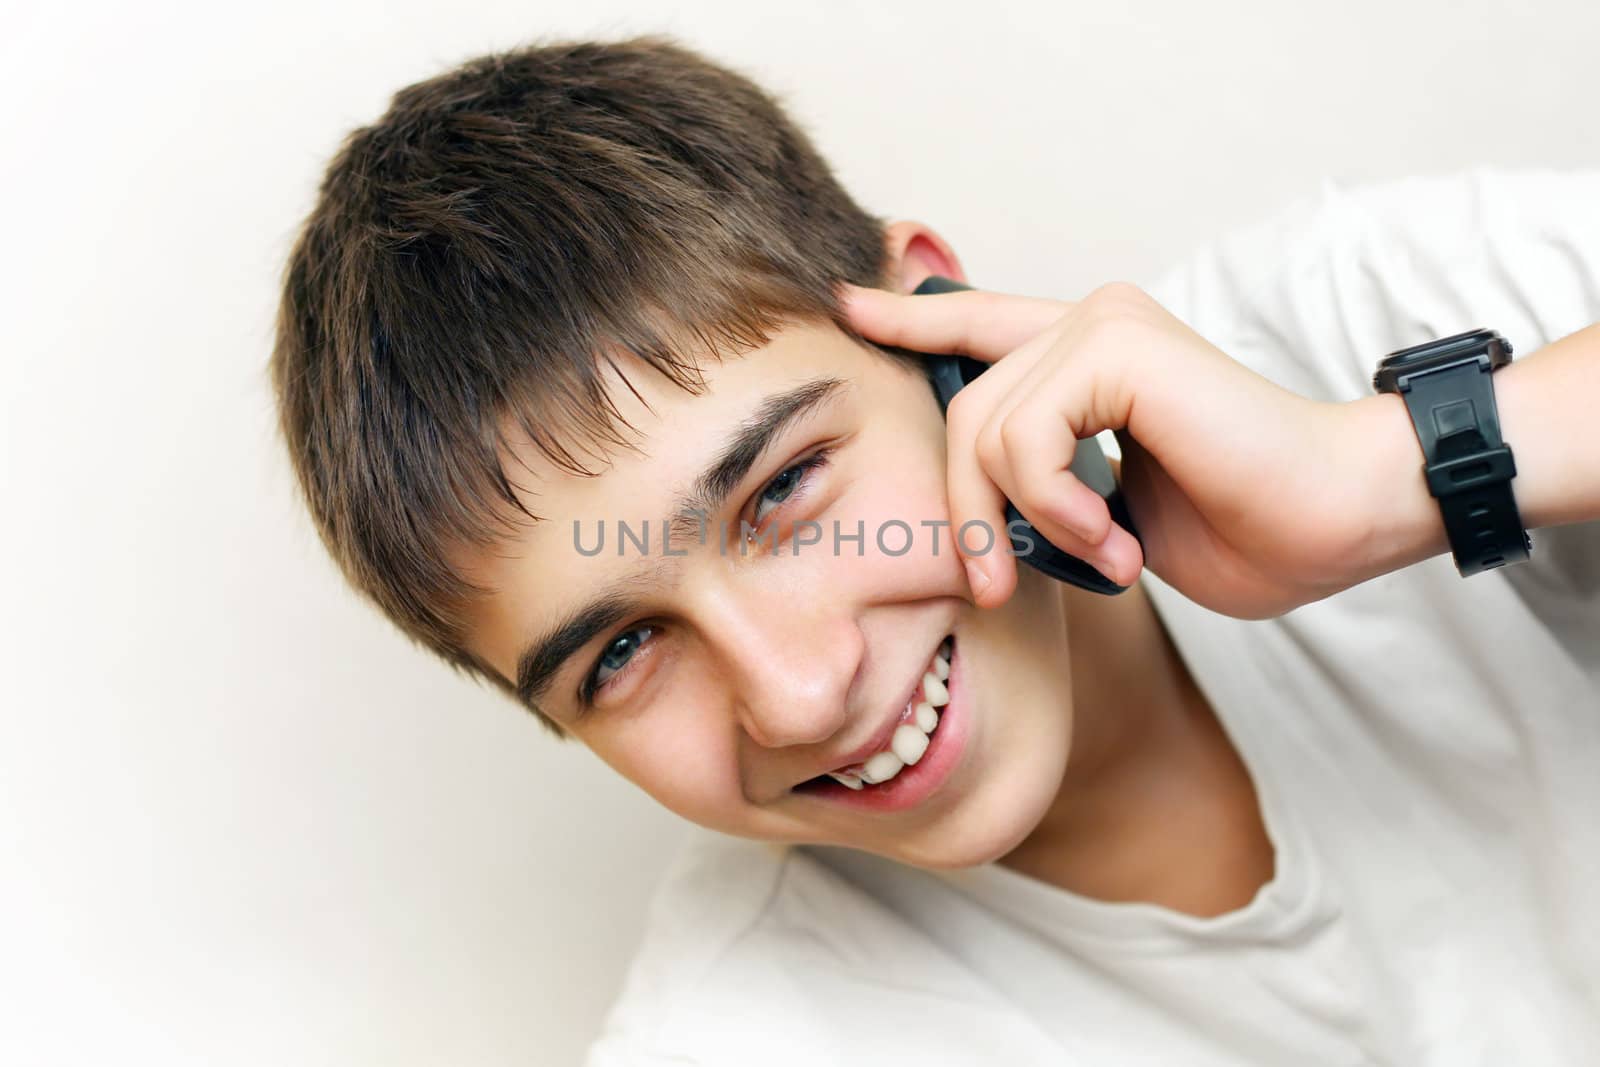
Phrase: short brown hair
x=474 y=254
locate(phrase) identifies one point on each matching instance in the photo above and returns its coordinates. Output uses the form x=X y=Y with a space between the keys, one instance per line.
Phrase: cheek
x=908 y=529
x=682 y=753
x=904 y=514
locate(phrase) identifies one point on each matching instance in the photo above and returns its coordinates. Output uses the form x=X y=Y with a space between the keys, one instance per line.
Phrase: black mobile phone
x=948 y=375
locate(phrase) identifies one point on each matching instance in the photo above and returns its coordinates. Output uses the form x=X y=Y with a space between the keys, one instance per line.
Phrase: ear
x=915 y=252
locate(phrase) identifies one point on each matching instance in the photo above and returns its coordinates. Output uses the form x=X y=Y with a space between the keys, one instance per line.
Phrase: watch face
x=1439 y=353
x=1445 y=347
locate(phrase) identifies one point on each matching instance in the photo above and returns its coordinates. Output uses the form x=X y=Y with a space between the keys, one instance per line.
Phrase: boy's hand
x=1247 y=496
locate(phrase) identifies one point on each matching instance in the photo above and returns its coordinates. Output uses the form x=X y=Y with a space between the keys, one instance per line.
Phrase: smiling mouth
x=917 y=723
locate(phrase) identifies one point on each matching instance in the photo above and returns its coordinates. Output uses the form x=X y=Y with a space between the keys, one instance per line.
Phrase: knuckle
x=1013 y=435
x=1033 y=490
x=1117 y=303
x=964 y=408
x=990 y=446
x=1119 y=294
x=1115 y=327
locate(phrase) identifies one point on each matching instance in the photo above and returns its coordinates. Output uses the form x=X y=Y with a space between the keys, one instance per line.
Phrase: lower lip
x=916 y=783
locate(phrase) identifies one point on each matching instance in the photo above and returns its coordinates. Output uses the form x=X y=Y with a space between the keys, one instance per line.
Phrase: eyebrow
x=544 y=657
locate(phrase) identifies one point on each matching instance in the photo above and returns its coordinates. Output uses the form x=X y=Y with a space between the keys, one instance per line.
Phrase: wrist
x=1401 y=522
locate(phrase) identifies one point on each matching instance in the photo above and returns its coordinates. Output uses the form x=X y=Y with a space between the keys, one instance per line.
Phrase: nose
x=792 y=665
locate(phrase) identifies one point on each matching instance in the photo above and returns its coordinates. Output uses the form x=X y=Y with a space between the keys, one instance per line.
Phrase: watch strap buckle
x=1463 y=474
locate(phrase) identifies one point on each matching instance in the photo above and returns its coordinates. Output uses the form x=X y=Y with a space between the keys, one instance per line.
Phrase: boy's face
x=726 y=683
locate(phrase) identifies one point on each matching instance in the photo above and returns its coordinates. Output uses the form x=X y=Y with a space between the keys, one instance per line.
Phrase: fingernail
x=976 y=578
x=1073 y=520
x=1108 y=568
x=1078 y=526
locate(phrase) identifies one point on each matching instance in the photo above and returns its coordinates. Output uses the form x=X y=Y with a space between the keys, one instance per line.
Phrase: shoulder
x=714 y=896
x=1314 y=294
x=1482 y=210
x=757 y=951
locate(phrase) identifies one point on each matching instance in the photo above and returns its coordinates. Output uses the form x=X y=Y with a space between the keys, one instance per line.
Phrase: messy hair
x=476 y=257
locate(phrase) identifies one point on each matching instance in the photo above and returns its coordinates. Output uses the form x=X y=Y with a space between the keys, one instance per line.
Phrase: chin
x=991 y=820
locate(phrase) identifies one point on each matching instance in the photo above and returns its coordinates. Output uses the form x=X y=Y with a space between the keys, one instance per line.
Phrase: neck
x=1155 y=804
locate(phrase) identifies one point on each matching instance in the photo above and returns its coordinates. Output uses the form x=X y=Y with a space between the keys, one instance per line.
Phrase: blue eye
x=614 y=660
x=778 y=490
x=783 y=486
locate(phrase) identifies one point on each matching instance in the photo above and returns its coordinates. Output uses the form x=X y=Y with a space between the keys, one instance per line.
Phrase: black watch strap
x=1469 y=468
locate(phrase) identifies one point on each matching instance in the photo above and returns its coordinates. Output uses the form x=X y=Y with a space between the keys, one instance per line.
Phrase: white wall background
x=241 y=821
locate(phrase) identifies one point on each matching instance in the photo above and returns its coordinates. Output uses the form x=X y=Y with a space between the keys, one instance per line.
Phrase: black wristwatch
x=1449 y=391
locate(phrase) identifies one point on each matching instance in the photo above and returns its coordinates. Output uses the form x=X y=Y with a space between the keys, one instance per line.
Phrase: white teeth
x=909 y=743
x=881 y=768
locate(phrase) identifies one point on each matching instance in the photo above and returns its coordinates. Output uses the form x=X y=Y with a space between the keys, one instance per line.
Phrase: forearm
x=1549 y=406
x=1550 y=416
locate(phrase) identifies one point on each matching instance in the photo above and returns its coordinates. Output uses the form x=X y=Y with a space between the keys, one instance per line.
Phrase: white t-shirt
x=1426 y=750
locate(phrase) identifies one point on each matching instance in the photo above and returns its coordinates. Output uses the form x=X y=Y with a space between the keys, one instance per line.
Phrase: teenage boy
x=590 y=284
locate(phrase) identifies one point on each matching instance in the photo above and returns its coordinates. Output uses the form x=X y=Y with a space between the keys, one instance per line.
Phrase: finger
x=1046 y=491
x=979 y=324
x=989 y=391
x=1028 y=446
x=977 y=512
x=1120 y=557
x=1032 y=470
x=973 y=498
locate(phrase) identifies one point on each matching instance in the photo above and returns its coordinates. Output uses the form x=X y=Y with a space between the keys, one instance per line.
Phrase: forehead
x=672 y=431
x=536 y=572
